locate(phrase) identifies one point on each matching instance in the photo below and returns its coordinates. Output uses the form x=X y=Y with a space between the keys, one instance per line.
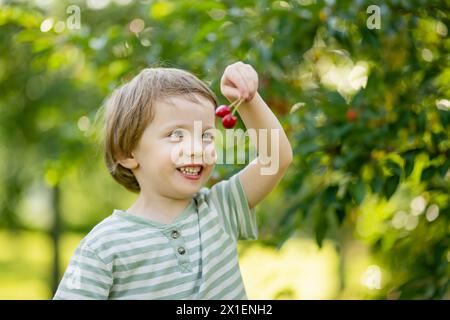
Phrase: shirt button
x=175 y=234
x=181 y=250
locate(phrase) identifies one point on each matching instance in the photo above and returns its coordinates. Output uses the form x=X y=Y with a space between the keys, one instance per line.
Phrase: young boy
x=178 y=240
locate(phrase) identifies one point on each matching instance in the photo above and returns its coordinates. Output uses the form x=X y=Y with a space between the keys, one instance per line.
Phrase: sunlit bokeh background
x=364 y=96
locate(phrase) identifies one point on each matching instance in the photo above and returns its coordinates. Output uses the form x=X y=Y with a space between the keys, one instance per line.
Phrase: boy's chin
x=186 y=193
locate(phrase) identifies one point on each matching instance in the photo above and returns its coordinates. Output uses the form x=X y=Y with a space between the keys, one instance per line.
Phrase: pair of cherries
x=224 y=112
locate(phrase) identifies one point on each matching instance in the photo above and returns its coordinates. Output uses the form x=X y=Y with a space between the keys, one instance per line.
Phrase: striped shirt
x=194 y=257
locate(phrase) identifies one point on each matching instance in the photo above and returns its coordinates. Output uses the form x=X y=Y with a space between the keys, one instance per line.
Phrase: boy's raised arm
x=274 y=151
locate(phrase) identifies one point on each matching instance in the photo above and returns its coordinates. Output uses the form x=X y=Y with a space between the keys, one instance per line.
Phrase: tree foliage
x=367 y=111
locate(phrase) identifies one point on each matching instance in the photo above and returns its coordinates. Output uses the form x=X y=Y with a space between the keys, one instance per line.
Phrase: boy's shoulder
x=107 y=229
x=218 y=191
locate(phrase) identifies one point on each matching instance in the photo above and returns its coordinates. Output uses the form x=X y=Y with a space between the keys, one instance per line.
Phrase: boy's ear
x=130 y=162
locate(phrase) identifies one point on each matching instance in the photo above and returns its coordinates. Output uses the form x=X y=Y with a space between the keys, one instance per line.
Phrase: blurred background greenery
x=363 y=212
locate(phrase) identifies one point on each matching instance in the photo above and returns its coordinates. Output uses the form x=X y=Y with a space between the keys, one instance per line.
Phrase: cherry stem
x=237 y=106
x=233 y=103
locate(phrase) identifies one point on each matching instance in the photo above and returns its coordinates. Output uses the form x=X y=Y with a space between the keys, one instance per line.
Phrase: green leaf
x=321 y=229
x=319 y=219
x=377 y=182
x=421 y=122
x=358 y=191
x=444 y=169
x=329 y=196
x=427 y=173
x=390 y=186
x=409 y=165
x=394 y=167
x=340 y=214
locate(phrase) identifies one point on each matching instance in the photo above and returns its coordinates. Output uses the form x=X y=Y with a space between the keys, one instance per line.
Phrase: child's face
x=180 y=134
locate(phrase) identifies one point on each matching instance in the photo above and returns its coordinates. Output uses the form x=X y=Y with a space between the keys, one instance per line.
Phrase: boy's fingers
x=236 y=78
x=228 y=88
x=240 y=80
x=253 y=75
x=230 y=92
x=247 y=83
x=251 y=80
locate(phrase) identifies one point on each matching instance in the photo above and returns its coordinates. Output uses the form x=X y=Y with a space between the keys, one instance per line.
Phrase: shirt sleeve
x=86 y=278
x=232 y=205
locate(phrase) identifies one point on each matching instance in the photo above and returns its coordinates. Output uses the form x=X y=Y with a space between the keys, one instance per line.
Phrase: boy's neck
x=158 y=208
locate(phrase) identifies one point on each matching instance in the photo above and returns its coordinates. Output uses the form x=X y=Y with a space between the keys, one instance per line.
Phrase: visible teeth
x=190 y=170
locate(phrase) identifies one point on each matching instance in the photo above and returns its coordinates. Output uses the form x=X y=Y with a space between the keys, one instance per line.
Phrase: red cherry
x=351 y=115
x=229 y=121
x=222 y=111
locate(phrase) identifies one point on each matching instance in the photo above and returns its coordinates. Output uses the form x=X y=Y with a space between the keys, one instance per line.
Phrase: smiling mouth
x=191 y=170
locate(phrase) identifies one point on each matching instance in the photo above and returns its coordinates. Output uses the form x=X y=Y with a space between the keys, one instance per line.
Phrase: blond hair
x=130 y=109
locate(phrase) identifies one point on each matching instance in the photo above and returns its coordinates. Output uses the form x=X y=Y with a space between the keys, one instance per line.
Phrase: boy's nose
x=194 y=148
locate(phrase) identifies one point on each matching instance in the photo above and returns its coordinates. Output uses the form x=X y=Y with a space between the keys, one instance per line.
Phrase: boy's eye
x=176 y=135
x=208 y=136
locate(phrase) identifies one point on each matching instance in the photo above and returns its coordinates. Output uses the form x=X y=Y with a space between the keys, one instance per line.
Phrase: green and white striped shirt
x=194 y=257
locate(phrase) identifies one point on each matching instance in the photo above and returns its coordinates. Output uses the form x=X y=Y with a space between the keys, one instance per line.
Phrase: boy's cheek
x=210 y=155
x=175 y=154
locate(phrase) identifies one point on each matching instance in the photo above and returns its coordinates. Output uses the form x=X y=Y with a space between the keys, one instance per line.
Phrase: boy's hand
x=239 y=80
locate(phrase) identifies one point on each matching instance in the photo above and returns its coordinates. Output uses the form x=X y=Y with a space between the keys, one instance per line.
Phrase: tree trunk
x=55 y=234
